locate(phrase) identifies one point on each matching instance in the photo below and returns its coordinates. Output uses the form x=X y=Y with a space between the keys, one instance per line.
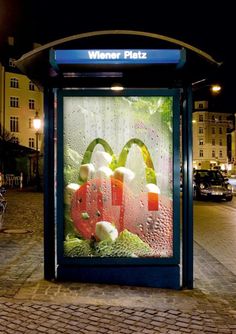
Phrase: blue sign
x=119 y=56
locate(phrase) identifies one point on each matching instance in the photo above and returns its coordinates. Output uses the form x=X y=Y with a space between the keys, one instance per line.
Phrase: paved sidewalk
x=29 y=304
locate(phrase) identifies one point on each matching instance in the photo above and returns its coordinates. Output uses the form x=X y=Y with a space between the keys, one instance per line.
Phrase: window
x=200 y=130
x=213 y=154
x=14 y=102
x=14 y=83
x=200 y=106
x=31 y=104
x=31 y=85
x=31 y=142
x=14 y=124
x=213 y=131
x=220 y=118
x=201 y=153
x=220 y=141
x=200 y=118
x=200 y=141
x=213 y=142
x=220 y=131
x=30 y=123
x=15 y=140
x=12 y=62
x=220 y=154
x=213 y=118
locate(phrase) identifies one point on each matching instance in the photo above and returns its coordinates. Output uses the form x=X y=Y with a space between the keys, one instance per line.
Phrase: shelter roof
x=37 y=66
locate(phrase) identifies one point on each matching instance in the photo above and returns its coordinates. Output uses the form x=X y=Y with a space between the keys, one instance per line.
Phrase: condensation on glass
x=118 y=176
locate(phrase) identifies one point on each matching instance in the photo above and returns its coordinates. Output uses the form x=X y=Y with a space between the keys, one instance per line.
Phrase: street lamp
x=208 y=91
x=215 y=89
x=37 y=126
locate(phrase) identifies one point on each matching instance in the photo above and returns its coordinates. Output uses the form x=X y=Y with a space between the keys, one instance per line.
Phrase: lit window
x=200 y=118
x=31 y=86
x=14 y=102
x=15 y=140
x=31 y=104
x=14 y=124
x=14 y=83
x=31 y=142
x=200 y=130
x=12 y=62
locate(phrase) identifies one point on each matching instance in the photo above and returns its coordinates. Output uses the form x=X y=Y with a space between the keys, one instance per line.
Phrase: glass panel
x=118 y=176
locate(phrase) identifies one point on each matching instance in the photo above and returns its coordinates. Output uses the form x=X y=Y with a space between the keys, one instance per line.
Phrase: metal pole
x=37 y=162
x=187 y=210
x=49 y=187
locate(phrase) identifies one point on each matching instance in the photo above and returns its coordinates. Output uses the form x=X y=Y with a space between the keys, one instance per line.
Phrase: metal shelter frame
x=36 y=65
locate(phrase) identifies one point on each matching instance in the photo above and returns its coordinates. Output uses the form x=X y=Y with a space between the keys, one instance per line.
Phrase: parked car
x=211 y=184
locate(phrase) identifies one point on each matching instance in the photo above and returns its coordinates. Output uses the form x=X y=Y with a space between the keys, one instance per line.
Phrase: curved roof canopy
x=38 y=66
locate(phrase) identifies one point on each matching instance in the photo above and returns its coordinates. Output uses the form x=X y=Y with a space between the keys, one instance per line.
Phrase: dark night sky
x=210 y=28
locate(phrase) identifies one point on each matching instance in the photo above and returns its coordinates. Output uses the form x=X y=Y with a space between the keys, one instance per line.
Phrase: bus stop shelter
x=117 y=103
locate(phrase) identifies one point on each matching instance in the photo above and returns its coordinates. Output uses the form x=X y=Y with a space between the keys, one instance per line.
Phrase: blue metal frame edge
x=49 y=220
x=60 y=186
x=176 y=174
x=60 y=179
x=148 y=276
x=187 y=211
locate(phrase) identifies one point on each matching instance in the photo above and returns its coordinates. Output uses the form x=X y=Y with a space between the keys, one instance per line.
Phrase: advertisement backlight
x=118 y=176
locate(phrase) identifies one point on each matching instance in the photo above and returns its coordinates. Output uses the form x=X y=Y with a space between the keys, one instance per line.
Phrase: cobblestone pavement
x=29 y=304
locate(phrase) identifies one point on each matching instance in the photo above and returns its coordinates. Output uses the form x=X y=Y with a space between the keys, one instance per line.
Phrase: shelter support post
x=49 y=188
x=187 y=208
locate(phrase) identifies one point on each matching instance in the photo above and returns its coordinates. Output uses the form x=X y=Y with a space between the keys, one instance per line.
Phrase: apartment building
x=210 y=137
x=232 y=143
x=20 y=102
x=20 y=99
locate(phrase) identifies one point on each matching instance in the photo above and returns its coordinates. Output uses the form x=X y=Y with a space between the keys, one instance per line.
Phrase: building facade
x=20 y=100
x=232 y=143
x=210 y=137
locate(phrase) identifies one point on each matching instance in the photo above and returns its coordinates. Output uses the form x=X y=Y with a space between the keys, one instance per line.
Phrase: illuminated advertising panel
x=118 y=175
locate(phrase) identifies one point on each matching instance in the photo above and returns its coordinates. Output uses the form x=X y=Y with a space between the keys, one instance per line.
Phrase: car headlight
x=229 y=186
x=202 y=186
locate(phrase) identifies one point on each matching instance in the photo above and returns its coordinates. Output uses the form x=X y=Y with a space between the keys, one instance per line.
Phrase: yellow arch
x=88 y=152
x=91 y=147
x=150 y=170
